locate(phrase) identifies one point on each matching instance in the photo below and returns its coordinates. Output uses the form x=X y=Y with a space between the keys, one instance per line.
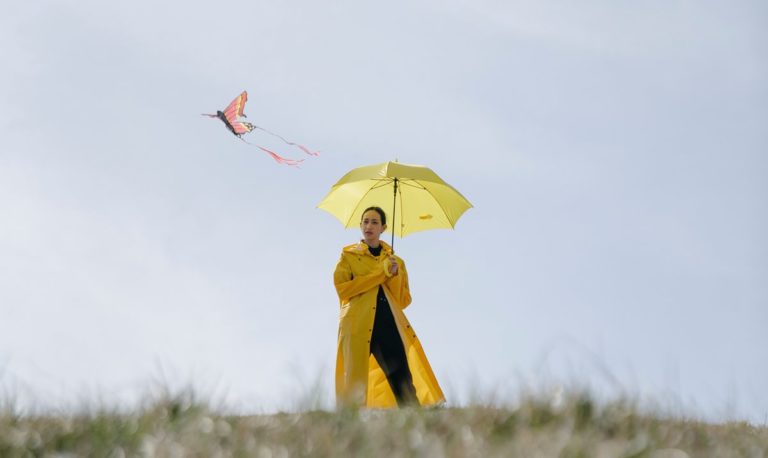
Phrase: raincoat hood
x=361 y=248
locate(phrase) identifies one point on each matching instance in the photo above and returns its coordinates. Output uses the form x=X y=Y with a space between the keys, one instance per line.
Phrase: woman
x=379 y=361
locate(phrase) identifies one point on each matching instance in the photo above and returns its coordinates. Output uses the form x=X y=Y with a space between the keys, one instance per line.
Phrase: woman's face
x=371 y=226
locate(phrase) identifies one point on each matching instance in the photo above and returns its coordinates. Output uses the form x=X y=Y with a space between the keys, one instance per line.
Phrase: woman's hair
x=377 y=210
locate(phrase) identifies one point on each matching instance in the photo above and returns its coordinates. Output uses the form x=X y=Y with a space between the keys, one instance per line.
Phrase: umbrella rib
x=346 y=225
x=383 y=183
x=410 y=183
x=453 y=226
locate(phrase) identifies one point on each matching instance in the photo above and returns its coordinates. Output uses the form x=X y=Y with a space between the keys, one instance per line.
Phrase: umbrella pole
x=394 y=207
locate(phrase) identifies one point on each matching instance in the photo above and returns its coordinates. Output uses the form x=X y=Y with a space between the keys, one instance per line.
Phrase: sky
x=614 y=152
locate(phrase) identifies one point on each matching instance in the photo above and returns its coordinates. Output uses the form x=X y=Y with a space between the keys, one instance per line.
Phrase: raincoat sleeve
x=398 y=286
x=349 y=286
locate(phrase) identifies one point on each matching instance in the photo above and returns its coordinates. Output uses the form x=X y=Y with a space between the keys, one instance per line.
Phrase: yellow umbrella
x=421 y=200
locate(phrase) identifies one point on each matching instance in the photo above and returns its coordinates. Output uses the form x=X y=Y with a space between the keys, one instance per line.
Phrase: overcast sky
x=615 y=154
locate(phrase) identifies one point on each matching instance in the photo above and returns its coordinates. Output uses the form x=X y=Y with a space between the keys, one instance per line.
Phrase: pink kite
x=230 y=119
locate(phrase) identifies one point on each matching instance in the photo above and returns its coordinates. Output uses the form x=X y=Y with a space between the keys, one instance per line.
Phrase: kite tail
x=279 y=159
x=301 y=147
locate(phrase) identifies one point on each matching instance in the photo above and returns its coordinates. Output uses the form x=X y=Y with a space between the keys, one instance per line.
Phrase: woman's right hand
x=393 y=267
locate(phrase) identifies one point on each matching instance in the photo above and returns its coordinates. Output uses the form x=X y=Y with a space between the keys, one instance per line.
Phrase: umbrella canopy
x=414 y=197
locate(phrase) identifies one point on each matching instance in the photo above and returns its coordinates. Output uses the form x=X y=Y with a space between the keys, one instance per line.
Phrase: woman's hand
x=393 y=266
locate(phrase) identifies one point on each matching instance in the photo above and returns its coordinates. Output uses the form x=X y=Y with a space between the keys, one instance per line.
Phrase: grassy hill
x=577 y=427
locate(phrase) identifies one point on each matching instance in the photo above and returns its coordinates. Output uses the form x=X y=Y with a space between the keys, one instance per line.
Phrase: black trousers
x=387 y=348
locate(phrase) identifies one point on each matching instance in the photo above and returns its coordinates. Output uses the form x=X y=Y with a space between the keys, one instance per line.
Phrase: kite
x=230 y=117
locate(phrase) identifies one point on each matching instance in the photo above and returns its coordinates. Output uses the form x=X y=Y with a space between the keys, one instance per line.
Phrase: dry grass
x=574 y=427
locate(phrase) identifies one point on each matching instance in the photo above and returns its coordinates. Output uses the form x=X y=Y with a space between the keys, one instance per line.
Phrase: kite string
x=279 y=159
x=302 y=147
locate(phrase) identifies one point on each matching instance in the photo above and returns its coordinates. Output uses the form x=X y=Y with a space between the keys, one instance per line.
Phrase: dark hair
x=377 y=210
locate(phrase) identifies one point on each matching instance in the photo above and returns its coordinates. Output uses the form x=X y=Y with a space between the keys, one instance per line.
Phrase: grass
x=575 y=426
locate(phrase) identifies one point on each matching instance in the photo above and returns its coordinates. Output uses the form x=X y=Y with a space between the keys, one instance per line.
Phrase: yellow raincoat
x=359 y=379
